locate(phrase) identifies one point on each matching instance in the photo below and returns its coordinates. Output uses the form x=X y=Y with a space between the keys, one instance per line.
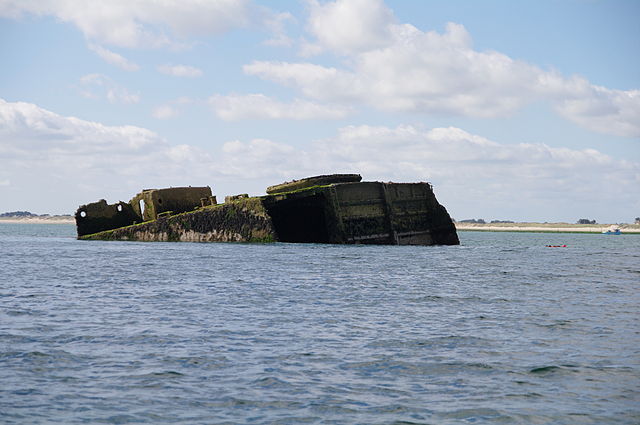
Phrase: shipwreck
x=338 y=209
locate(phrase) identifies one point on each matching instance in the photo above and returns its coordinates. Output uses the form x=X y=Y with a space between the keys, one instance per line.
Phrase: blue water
x=499 y=330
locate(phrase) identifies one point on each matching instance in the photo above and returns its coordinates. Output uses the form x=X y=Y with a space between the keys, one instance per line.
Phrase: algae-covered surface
x=300 y=211
x=244 y=220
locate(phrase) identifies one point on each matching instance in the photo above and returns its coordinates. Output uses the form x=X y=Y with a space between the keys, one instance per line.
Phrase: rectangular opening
x=300 y=220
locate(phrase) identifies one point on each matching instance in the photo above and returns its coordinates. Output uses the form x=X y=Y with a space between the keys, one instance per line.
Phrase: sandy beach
x=546 y=227
x=54 y=219
x=478 y=227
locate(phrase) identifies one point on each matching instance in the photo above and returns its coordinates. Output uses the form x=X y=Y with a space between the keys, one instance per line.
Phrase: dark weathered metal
x=146 y=205
x=313 y=181
x=340 y=212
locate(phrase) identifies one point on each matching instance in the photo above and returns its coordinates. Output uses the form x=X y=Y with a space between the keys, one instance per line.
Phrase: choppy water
x=499 y=330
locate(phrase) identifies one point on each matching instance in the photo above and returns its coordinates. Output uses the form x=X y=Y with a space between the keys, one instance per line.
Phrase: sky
x=525 y=111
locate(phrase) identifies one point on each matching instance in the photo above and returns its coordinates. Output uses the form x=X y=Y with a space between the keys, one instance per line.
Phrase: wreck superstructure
x=146 y=205
x=338 y=208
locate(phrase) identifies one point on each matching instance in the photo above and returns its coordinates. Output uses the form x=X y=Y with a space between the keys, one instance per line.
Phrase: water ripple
x=499 y=330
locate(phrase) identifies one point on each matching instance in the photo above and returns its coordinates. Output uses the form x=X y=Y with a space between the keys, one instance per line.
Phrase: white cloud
x=170 y=109
x=473 y=176
x=397 y=67
x=79 y=161
x=28 y=130
x=252 y=159
x=348 y=26
x=423 y=72
x=603 y=110
x=275 y=24
x=259 y=106
x=98 y=86
x=164 y=112
x=180 y=71
x=114 y=58
x=138 y=23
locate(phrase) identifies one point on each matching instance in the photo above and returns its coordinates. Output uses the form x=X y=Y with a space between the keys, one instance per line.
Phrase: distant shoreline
x=546 y=227
x=464 y=227
x=54 y=219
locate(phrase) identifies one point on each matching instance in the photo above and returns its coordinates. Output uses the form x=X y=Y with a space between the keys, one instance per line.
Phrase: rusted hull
x=340 y=213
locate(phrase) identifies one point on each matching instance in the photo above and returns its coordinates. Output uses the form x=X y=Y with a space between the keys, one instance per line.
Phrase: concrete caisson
x=339 y=209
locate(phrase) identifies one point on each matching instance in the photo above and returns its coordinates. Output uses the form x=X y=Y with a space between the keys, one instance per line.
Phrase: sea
x=499 y=330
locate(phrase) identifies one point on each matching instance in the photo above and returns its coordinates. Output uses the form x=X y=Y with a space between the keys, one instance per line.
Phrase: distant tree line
x=17 y=214
x=22 y=214
x=482 y=221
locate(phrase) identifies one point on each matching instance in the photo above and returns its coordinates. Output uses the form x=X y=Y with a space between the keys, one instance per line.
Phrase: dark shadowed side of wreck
x=339 y=209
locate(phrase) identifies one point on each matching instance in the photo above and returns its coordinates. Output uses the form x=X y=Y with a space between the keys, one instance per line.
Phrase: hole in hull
x=300 y=220
x=142 y=211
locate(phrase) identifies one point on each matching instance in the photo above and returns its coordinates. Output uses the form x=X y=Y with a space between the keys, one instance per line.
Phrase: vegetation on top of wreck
x=336 y=208
x=244 y=220
x=309 y=182
x=307 y=190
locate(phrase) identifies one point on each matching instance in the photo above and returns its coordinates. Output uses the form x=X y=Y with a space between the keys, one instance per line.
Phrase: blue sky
x=513 y=110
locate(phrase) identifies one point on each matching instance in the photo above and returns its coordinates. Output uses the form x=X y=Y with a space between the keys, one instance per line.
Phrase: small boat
x=612 y=231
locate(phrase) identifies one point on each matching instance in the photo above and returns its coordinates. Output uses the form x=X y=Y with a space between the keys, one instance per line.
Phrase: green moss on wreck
x=322 y=180
x=306 y=190
x=230 y=213
x=243 y=220
x=310 y=210
x=108 y=234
